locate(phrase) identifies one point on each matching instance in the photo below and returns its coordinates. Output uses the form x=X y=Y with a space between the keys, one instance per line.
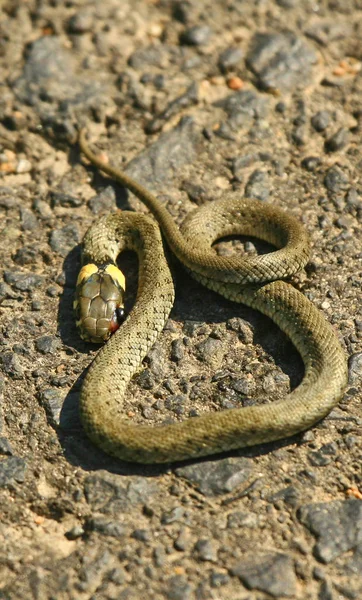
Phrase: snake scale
x=252 y=280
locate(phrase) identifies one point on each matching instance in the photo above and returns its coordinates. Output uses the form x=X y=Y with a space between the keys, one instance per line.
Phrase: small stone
x=242 y=519
x=197 y=35
x=81 y=21
x=11 y=365
x=210 y=351
x=103 y=202
x=60 y=198
x=146 y=380
x=5 y=447
x=311 y=163
x=353 y=199
x=65 y=239
x=52 y=401
x=182 y=541
x=336 y=526
x=213 y=478
x=336 y=180
x=145 y=57
x=48 y=344
x=318 y=459
x=326 y=591
x=229 y=58
x=178 y=588
x=270 y=572
x=206 y=550
x=355 y=368
x=321 y=120
x=25 y=281
x=142 y=535
x=218 y=579
x=24 y=166
x=76 y=532
x=107 y=527
x=177 y=350
x=12 y=469
x=281 y=61
x=108 y=494
x=258 y=186
x=337 y=141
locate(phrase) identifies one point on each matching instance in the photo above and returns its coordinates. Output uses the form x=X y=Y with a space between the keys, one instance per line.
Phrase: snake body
x=254 y=281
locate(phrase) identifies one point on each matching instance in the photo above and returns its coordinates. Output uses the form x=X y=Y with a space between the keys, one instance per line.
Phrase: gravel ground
x=195 y=97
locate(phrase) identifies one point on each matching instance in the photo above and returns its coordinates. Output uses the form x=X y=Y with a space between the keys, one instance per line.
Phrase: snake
x=257 y=281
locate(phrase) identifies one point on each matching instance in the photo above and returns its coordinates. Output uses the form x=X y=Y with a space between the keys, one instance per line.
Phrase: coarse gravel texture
x=195 y=97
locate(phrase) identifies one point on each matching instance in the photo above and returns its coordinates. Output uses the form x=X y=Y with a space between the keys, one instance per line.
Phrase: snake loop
x=254 y=281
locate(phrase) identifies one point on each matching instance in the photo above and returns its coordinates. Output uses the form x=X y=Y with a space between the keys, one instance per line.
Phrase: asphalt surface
x=193 y=98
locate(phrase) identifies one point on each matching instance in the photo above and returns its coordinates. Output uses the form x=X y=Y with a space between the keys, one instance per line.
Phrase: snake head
x=98 y=301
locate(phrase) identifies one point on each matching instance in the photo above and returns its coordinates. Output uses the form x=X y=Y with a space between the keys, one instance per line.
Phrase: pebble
x=12 y=365
x=321 y=120
x=335 y=525
x=5 y=446
x=198 y=35
x=52 y=400
x=338 y=140
x=213 y=478
x=64 y=239
x=81 y=22
x=282 y=61
x=206 y=550
x=336 y=180
x=23 y=281
x=230 y=58
x=155 y=166
x=258 y=186
x=177 y=350
x=355 y=368
x=108 y=494
x=311 y=163
x=269 y=572
x=210 y=351
x=12 y=470
x=48 y=344
x=178 y=588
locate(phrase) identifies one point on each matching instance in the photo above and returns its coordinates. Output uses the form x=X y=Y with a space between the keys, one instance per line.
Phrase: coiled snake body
x=253 y=281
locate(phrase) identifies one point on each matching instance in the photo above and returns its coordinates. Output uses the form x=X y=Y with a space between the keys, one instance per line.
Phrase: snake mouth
x=99 y=301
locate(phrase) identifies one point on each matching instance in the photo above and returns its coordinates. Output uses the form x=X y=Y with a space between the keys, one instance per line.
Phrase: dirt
x=193 y=98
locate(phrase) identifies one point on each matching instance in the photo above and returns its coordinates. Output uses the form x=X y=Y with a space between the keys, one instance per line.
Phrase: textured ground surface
x=263 y=97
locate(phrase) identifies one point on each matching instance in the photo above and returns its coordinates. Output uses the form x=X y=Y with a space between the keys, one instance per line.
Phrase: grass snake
x=251 y=280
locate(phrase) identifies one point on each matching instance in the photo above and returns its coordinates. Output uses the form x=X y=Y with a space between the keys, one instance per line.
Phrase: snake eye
x=121 y=314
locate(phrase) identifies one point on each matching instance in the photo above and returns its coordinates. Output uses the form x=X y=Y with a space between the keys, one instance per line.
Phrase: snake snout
x=99 y=301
